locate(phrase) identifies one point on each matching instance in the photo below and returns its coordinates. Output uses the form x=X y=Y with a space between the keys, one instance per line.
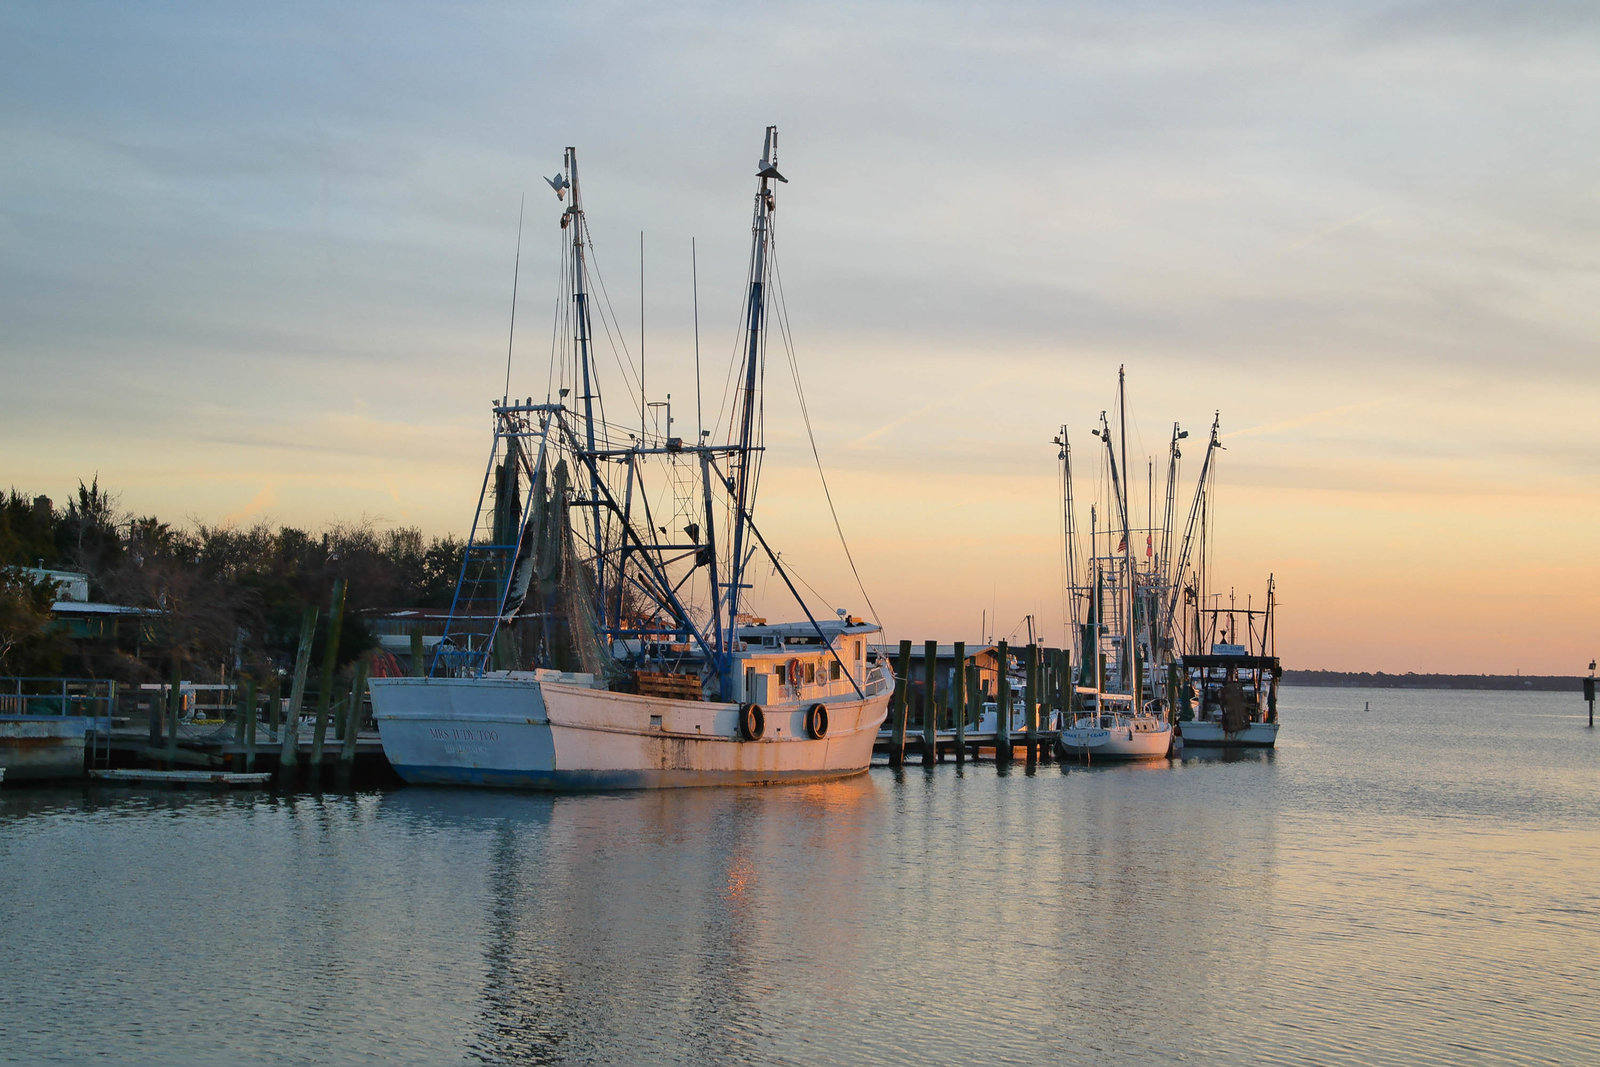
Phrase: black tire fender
x=752 y=722
x=817 y=721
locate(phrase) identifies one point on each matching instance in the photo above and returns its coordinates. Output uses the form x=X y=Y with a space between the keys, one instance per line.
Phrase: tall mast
x=1130 y=647
x=1196 y=510
x=748 y=428
x=572 y=219
x=1071 y=531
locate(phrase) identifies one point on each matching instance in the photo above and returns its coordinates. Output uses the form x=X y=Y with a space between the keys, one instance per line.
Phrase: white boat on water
x=1118 y=735
x=599 y=637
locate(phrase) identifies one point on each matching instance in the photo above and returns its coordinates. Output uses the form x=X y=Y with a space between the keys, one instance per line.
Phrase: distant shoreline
x=1542 y=683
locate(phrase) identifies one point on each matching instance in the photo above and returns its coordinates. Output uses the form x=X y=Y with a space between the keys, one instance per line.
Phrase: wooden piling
x=174 y=704
x=157 y=708
x=238 y=712
x=249 y=725
x=288 y=751
x=330 y=659
x=974 y=700
x=1030 y=699
x=958 y=700
x=352 y=720
x=897 y=707
x=1002 y=718
x=930 y=706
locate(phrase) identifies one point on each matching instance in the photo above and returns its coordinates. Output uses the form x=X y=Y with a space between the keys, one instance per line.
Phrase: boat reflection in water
x=644 y=927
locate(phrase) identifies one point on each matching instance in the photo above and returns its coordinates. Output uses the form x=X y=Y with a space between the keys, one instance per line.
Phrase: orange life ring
x=794 y=671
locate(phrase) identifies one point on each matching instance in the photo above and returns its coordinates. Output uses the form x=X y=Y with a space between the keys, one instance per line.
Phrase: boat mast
x=1195 y=511
x=1130 y=647
x=1070 y=525
x=572 y=219
x=746 y=444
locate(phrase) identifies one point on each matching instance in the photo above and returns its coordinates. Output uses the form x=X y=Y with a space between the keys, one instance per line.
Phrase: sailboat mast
x=749 y=426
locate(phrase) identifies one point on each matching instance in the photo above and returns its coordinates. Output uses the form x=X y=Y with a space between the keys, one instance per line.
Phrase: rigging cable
x=805 y=414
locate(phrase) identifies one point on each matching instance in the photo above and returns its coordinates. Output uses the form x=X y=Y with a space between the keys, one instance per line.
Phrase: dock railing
x=53 y=698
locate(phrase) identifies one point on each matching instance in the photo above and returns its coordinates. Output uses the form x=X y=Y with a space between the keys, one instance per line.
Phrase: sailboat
x=1121 y=718
x=600 y=637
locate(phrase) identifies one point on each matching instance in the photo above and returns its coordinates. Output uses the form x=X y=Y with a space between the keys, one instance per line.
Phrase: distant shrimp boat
x=1230 y=696
x=598 y=638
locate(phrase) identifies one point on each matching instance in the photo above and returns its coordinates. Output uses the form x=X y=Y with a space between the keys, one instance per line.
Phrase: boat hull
x=537 y=733
x=43 y=748
x=1255 y=735
x=1117 y=742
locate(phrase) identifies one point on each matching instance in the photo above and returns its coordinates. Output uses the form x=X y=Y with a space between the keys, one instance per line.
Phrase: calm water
x=1417 y=883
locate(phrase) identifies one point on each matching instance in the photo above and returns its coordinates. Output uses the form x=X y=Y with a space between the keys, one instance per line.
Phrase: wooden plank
x=668 y=684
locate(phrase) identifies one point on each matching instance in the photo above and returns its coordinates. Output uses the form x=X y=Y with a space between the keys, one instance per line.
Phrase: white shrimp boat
x=599 y=637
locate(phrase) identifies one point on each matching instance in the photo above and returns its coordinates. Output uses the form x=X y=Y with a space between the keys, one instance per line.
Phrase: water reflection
x=1411 y=888
x=651 y=926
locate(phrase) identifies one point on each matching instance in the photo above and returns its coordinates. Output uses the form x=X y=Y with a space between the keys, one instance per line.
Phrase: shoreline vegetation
x=1540 y=683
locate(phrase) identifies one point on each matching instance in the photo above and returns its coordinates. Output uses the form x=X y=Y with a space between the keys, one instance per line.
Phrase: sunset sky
x=256 y=263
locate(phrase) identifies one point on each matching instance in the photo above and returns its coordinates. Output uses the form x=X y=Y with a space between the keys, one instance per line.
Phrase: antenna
x=642 y=405
x=516 y=268
x=694 y=274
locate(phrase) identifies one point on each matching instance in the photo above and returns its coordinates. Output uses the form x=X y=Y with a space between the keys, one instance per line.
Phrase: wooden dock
x=948 y=701
x=972 y=746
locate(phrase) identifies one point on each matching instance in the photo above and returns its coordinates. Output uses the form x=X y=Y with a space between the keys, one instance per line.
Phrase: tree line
x=218 y=599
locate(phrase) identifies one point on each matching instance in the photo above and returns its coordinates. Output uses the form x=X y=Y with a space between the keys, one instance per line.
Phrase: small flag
x=1122 y=545
x=1149 y=549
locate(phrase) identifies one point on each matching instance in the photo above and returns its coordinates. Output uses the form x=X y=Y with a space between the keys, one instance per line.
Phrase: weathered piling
x=288 y=751
x=238 y=712
x=1030 y=698
x=418 y=667
x=930 y=705
x=958 y=700
x=897 y=707
x=249 y=724
x=330 y=659
x=352 y=719
x=1002 y=718
x=974 y=700
x=157 y=708
x=174 y=705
